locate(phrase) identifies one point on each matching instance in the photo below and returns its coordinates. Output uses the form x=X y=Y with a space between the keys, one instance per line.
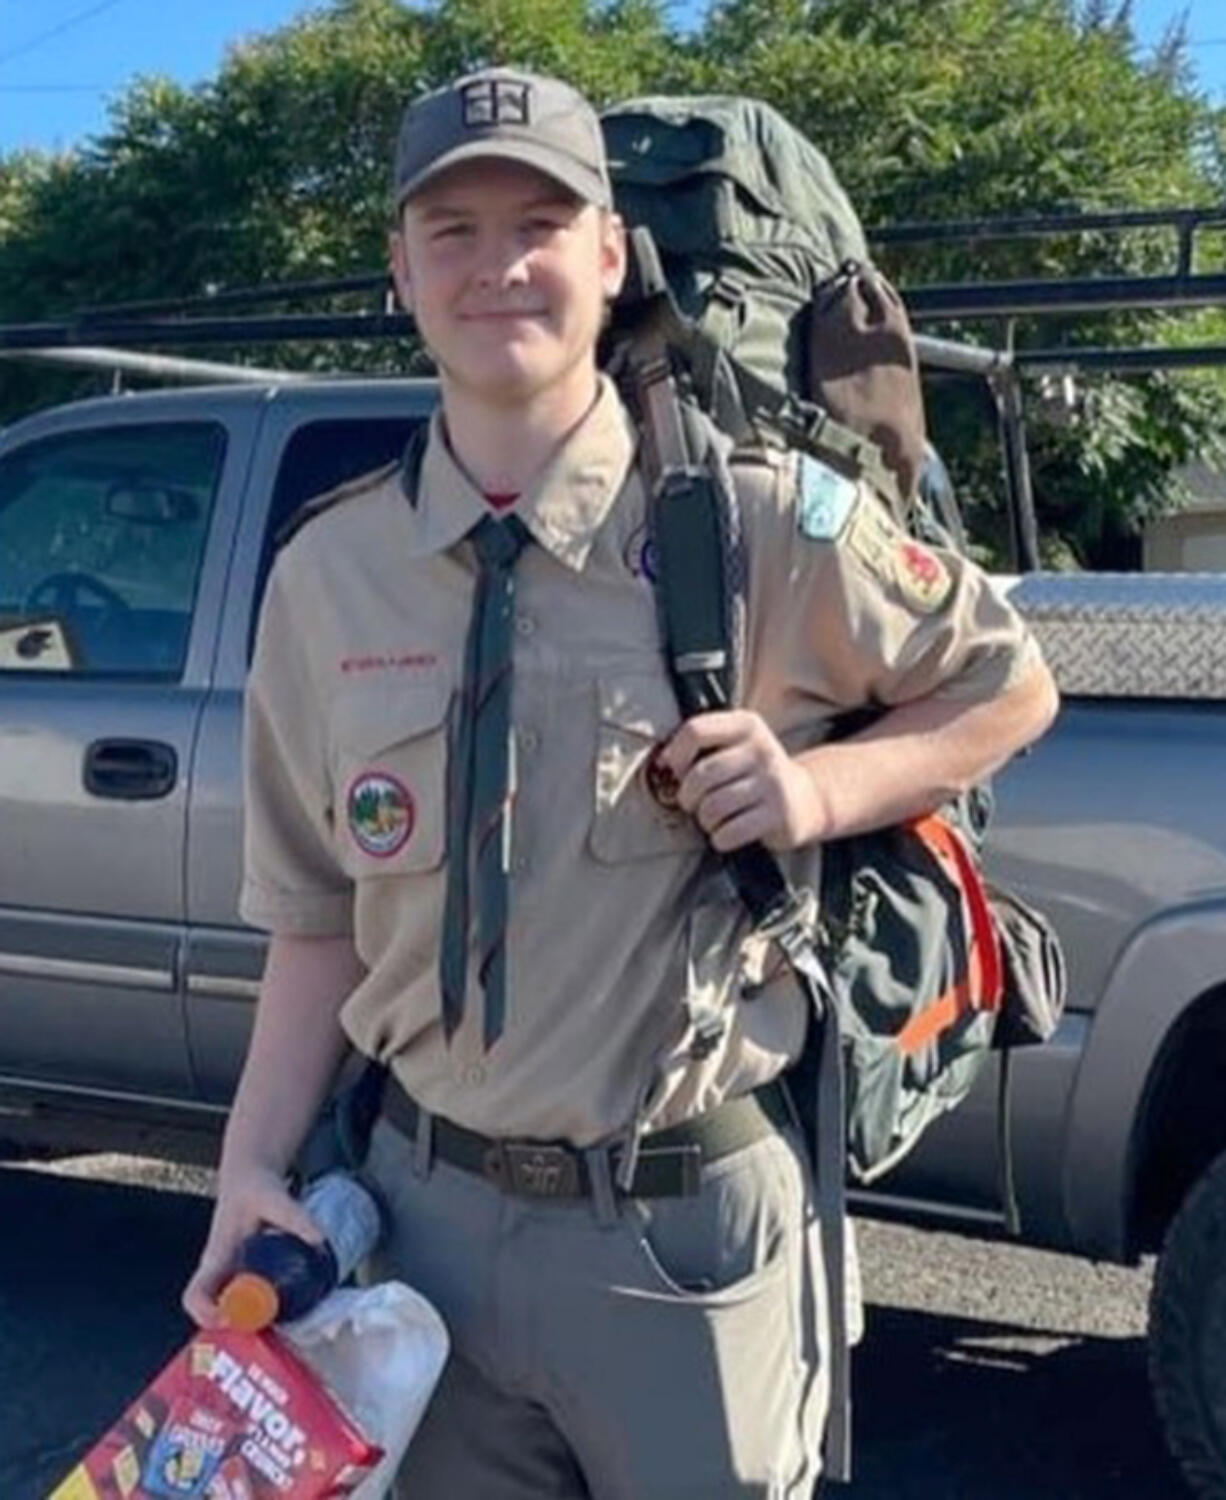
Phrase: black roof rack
x=193 y=319
x=90 y=335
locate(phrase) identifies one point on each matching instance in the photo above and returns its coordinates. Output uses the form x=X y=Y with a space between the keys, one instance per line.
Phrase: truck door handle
x=130 y=770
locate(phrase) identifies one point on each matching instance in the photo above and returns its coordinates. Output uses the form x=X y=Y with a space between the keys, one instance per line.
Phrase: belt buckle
x=532 y=1171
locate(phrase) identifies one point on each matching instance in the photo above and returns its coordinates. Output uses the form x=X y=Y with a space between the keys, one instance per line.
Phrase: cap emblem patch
x=495 y=101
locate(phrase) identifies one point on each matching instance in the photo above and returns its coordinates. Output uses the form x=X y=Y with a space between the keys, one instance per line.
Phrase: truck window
x=318 y=457
x=102 y=535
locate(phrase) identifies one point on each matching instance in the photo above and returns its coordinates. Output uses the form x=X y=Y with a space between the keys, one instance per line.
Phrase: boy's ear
x=613 y=253
x=399 y=263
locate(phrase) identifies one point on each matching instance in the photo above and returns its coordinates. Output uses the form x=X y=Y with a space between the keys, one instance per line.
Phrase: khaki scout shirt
x=617 y=929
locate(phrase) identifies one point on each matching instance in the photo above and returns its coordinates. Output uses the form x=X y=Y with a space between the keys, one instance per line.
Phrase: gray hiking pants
x=646 y=1349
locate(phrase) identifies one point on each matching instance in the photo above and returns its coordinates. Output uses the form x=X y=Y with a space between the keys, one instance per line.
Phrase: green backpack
x=753 y=316
x=766 y=261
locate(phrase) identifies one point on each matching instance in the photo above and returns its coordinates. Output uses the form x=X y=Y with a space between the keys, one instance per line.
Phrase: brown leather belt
x=669 y=1162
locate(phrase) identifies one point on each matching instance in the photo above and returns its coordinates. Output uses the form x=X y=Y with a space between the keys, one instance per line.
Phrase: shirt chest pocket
x=637 y=713
x=389 y=761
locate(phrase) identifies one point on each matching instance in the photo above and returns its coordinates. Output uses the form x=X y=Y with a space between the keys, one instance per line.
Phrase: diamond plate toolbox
x=1129 y=635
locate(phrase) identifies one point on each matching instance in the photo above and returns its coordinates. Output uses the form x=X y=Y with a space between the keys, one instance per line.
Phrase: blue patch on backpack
x=824 y=499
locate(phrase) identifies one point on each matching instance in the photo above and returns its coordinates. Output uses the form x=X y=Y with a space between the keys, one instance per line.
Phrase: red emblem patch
x=922 y=575
x=922 y=564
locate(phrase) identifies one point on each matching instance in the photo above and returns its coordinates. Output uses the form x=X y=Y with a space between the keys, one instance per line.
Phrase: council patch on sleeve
x=922 y=576
x=896 y=560
x=824 y=499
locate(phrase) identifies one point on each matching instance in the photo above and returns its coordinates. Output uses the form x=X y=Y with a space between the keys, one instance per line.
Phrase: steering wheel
x=59 y=592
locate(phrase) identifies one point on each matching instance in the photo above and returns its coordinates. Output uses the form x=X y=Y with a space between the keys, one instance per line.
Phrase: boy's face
x=507 y=275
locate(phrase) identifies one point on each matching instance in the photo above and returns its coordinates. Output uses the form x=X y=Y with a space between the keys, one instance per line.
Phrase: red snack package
x=231 y=1482
x=233 y=1416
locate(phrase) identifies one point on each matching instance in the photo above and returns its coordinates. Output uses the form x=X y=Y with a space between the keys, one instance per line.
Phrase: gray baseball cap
x=502 y=113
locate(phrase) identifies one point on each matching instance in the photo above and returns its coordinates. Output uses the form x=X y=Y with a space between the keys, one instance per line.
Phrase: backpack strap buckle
x=811 y=422
x=700 y=661
x=709 y=1029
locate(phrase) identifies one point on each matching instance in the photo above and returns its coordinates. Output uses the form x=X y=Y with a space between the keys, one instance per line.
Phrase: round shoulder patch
x=922 y=576
x=381 y=813
x=640 y=556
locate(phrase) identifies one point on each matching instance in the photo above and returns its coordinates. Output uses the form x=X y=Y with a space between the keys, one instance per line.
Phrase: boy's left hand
x=740 y=784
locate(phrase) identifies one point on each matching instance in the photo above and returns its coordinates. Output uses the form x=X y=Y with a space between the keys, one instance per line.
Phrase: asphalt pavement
x=988 y=1372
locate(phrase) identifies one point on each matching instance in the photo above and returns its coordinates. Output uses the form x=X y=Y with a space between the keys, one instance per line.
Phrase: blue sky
x=60 y=60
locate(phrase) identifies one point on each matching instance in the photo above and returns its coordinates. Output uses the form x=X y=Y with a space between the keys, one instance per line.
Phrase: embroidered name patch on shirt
x=824 y=499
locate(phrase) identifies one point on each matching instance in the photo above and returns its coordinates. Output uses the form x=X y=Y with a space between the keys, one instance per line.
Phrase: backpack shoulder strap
x=693 y=591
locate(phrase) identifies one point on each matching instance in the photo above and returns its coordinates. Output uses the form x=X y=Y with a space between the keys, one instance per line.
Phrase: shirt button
x=474 y=1076
x=529 y=740
x=525 y=625
x=519 y=864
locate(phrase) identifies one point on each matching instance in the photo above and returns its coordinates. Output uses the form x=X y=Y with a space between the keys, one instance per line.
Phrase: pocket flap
x=369 y=717
x=643 y=706
x=637 y=712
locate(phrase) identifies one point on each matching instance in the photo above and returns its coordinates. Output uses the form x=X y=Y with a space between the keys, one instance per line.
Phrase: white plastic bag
x=380 y=1350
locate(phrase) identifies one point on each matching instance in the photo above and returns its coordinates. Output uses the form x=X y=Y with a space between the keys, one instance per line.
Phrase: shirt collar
x=563 y=507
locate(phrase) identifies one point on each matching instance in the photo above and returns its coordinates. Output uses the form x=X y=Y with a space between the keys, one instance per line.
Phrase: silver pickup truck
x=136 y=534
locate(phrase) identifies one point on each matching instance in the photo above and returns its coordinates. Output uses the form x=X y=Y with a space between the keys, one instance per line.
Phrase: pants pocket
x=726 y=1238
x=723 y=1290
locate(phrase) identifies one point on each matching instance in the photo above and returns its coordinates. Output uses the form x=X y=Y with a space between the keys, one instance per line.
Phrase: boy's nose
x=503 y=264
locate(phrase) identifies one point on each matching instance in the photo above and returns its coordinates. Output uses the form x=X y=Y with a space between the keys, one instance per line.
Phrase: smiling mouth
x=503 y=315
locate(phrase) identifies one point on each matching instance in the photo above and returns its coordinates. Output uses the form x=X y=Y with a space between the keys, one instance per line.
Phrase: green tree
x=280 y=167
x=956 y=109
x=277 y=169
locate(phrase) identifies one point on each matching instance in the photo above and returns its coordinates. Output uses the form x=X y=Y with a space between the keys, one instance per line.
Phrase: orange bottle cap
x=249 y=1302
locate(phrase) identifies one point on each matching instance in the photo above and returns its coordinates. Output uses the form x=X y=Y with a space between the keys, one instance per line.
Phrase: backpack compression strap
x=691 y=592
x=739 y=401
x=809 y=427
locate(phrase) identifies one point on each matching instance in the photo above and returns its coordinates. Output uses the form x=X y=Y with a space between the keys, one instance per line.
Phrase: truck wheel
x=1187 y=1334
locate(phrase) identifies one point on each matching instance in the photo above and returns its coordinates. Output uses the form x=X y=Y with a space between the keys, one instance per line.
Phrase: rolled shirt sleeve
x=292 y=882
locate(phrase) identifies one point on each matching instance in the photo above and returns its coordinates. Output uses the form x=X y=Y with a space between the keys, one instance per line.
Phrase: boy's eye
x=451 y=231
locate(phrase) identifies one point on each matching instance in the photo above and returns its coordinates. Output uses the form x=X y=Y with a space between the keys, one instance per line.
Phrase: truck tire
x=1187 y=1334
